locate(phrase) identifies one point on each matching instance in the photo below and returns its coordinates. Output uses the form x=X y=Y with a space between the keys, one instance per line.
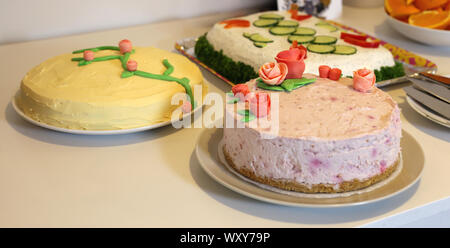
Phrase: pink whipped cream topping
x=328 y=133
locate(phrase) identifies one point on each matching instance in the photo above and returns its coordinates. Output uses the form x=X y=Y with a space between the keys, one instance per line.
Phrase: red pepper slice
x=362 y=43
x=301 y=17
x=354 y=36
x=238 y=23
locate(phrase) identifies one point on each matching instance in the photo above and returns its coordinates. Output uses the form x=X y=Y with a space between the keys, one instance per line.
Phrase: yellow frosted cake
x=108 y=88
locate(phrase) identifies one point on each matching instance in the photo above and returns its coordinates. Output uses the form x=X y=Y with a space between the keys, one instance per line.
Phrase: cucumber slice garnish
x=288 y=23
x=322 y=49
x=305 y=31
x=260 y=44
x=300 y=39
x=282 y=30
x=259 y=38
x=345 y=50
x=328 y=26
x=265 y=23
x=271 y=16
x=324 y=40
x=322 y=23
x=247 y=35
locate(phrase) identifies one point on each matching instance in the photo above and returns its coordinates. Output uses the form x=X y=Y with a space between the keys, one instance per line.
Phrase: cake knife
x=434 y=89
x=436 y=78
x=437 y=105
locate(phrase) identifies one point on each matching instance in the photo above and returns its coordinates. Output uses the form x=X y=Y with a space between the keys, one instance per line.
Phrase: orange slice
x=399 y=8
x=429 y=4
x=430 y=19
x=447 y=6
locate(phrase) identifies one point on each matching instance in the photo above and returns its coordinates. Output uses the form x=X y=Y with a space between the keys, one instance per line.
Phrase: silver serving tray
x=186 y=47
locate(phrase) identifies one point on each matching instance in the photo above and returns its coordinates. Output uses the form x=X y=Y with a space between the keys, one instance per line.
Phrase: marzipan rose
x=259 y=104
x=273 y=73
x=294 y=59
x=363 y=80
x=240 y=90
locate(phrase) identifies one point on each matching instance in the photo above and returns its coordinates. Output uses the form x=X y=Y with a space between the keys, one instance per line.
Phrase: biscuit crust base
x=316 y=188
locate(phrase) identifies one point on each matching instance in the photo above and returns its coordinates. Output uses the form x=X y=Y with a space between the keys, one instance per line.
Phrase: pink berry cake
x=334 y=135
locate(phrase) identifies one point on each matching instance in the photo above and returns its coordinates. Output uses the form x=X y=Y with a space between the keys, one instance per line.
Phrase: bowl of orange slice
x=425 y=21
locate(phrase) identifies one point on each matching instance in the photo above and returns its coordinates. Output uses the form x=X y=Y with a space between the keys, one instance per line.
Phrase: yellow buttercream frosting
x=58 y=92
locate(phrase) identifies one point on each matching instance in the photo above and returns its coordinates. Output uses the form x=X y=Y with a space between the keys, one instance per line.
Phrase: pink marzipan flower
x=88 y=55
x=259 y=104
x=186 y=107
x=125 y=46
x=273 y=73
x=363 y=80
x=294 y=59
x=131 y=65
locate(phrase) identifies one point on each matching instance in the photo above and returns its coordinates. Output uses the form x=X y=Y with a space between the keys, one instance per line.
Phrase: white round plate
x=422 y=110
x=94 y=132
x=208 y=155
x=434 y=37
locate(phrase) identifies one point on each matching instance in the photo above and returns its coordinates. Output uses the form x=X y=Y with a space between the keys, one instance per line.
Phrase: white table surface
x=153 y=179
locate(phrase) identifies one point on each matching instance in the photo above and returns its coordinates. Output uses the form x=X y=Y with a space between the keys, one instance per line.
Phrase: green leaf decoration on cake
x=125 y=51
x=265 y=86
x=248 y=116
x=287 y=85
x=292 y=84
x=126 y=74
x=233 y=101
x=243 y=112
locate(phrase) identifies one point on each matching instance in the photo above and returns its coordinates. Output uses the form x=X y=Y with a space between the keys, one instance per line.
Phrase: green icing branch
x=169 y=67
x=95 y=49
x=126 y=73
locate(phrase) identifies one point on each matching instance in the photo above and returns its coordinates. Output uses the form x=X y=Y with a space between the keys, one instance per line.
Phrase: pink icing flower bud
x=131 y=65
x=186 y=107
x=125 y=46
x=259 y=104
x=273 y=73
x=88 y=55
x=363 y=80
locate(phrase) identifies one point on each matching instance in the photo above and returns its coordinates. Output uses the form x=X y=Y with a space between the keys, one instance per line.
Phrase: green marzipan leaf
x=126 y=74
x=265 y=86
x=248 y=118
x=244 y=112
x=295 y=83
x=84 y=62
x=233 y=101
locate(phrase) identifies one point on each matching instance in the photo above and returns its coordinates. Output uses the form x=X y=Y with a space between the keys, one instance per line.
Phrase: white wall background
x=22 y=20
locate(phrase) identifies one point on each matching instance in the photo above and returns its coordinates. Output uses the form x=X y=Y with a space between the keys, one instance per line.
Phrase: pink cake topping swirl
x=273 y=73
x=294 y=59
x=259 y=104
x=363 y=80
